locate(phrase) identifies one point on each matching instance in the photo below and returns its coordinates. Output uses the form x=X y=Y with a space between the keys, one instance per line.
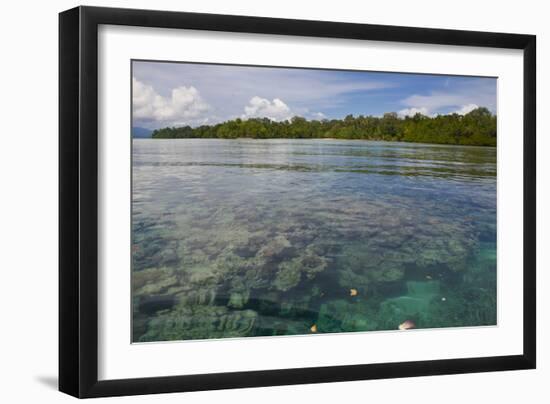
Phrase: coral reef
x=283 y=253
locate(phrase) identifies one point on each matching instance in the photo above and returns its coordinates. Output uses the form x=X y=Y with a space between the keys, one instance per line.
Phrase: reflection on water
x=235 y=238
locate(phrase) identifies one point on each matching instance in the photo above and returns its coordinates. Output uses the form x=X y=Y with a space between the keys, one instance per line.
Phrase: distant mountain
x=141 y=133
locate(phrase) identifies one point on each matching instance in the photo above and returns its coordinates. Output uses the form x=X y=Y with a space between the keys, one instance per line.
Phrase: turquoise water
x=242 y=238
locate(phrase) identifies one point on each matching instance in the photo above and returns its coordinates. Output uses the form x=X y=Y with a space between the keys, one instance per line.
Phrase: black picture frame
x=78 y=200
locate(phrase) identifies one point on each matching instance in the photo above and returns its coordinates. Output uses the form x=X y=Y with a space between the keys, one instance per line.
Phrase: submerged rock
x=201 y=297
x=288 y=276
x=202 y=322
x=312 y=264
x=238 y=300
x=153 y=281
x=276 y=249
x=290 y=273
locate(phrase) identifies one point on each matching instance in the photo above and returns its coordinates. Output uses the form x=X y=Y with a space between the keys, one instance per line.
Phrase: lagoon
x=244 y=238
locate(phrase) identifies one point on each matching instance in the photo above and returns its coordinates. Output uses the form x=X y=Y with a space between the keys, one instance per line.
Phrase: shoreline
x=315 y=138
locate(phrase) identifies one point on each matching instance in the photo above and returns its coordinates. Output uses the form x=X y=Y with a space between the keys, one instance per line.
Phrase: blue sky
x=176 y=94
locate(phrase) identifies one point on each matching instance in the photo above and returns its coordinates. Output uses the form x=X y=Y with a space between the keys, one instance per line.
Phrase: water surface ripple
x=234 y=238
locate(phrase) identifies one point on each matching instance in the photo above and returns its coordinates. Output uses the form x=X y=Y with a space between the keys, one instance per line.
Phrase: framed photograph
x=251 y=201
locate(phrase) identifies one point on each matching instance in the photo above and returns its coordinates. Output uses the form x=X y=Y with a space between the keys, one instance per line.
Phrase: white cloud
x=228 y=88
x=184 y=106
x=143 y=100
x=460 y=99
x=436 y=101
x=275 y=110
x=413 y=111
x=465 y=109
x=318 y=116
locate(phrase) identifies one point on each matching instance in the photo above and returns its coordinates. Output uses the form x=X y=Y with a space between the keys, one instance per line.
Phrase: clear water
x=239 y=238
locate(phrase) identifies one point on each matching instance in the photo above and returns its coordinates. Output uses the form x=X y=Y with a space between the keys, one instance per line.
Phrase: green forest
x=478 y=127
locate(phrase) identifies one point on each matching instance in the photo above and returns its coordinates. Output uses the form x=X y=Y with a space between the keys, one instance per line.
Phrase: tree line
x=478 y=127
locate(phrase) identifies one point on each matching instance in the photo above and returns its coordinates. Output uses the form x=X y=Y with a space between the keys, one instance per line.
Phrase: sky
x=178 y=94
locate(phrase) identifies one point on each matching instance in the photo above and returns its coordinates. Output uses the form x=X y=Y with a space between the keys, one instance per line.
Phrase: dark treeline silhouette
x=477 y=127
